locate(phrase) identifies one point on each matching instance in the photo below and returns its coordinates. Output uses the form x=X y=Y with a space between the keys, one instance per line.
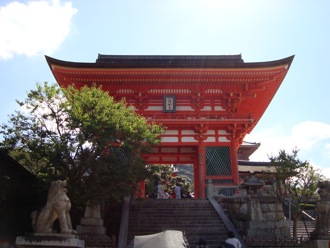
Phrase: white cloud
x=327 y=151
x=33 y=28
x=326 y=172
x=307 y=134
x=308 y=137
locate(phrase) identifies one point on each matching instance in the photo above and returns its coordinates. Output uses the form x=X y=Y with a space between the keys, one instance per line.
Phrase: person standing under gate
x=160 y=191
x=177 y=191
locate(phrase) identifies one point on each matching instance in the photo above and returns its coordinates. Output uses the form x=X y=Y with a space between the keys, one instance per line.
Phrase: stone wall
x=256 y=216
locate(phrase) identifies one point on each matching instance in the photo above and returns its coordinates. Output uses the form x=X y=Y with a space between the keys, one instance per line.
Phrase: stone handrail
x=229 y=225
x=123 y=232
x=214 y=191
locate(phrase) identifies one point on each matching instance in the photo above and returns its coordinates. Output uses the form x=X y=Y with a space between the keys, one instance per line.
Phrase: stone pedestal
x=91 y=229
x=41 y=240
x=91 y=223
x=317 y=244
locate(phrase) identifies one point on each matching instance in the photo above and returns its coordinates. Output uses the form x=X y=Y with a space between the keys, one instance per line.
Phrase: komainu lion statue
x=322 y=225
x=57 y=207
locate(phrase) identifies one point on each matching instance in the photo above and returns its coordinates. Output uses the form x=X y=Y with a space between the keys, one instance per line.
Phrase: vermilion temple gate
x=207 y=103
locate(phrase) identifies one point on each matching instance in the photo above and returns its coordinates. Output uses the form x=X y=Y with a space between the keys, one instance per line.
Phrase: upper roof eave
x=168 y=62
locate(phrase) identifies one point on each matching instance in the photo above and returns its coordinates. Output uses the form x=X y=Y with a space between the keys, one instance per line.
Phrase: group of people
x=230 y=242
x=162 y=194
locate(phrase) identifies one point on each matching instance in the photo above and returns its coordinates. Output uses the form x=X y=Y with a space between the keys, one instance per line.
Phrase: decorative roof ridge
x=169 y=57
x=253 y=163
x=248 y=143
x=168 y=62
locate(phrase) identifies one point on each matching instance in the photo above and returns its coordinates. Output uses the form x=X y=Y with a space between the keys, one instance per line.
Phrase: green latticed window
x=218 y=160
x=120 y=155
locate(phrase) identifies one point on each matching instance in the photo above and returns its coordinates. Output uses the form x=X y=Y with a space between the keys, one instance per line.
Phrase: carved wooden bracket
x=201 y=130
x=233 y=100
x=238 y=131
x=141 y=100
x=197 y=101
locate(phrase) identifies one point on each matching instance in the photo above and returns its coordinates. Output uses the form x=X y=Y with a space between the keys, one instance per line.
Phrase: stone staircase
x=304 y=228
x=196 y=218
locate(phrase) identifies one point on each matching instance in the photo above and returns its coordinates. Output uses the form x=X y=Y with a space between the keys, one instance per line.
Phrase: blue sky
x=263 y=30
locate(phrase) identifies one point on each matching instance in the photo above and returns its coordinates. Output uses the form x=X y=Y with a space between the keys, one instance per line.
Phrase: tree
x=82 y=135
x=296 y=181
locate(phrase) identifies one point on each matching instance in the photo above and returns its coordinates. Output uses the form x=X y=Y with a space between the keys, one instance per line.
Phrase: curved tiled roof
x=175 y=61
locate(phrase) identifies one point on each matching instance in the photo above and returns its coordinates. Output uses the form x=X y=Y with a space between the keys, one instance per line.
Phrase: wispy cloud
x=305 y=136
x=33 y=28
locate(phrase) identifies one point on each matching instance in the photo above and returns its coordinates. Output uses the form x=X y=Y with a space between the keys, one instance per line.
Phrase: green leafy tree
x=82 y=135
x=296 y=181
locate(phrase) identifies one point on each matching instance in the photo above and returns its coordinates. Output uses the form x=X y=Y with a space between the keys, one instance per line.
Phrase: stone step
x=196 y=218
x=301 y=228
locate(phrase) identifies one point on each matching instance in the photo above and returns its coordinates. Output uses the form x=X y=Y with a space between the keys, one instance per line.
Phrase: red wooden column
x=234 y=161
x=201 y=170
x=196 y=177
x=140 y=192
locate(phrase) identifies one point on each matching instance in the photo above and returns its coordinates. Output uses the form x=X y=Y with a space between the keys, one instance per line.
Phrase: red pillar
x=140 y=192
x=234 y=162
x=196 y=178
x=201 y=167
